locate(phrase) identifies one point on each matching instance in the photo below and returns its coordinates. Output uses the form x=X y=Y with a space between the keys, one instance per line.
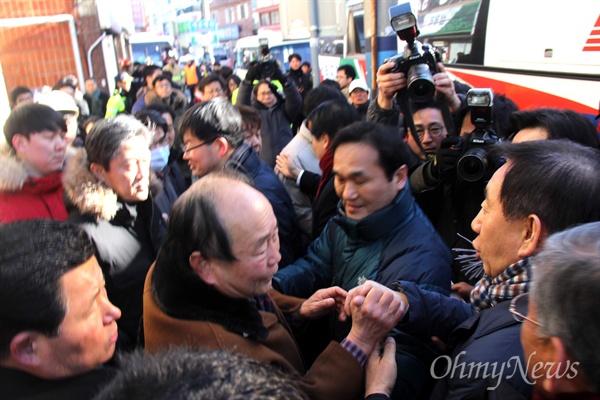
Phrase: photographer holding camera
x=413 y=84
x=277 y=112
x=424 y=113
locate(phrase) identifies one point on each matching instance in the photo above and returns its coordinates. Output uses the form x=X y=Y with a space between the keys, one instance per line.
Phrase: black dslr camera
x=418 y=62
x=266 y=61
x=475 y=162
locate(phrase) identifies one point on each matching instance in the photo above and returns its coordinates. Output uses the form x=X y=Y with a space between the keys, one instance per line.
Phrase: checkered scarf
x=513 y=281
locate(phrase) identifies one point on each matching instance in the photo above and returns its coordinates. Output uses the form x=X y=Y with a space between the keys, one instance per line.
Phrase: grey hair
x=211 y=119
x=565 y=293
x=107 y=136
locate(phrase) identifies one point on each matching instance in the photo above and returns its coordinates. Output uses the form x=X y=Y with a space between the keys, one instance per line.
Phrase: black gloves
x=447 y=157
x=253 y=72
x=278 y=75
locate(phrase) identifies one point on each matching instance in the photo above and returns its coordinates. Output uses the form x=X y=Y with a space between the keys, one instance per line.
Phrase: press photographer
x=449 y=206
x=413 y=84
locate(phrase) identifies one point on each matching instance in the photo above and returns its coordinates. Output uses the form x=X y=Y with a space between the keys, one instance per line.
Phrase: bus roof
x=149 y=37
x=251 y=42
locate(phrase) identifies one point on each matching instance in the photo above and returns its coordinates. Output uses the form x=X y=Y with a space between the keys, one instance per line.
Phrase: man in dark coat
x=212 y=138
x=108 y=191
x=57 y=326
x=519 y=212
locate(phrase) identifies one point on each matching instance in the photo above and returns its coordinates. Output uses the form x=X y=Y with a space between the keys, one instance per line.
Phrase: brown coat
x=335 y=374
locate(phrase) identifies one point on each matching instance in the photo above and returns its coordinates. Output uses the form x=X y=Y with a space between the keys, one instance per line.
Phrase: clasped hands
x=374 y=309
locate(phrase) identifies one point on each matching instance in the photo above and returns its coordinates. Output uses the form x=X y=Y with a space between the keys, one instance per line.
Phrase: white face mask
x=159 y=157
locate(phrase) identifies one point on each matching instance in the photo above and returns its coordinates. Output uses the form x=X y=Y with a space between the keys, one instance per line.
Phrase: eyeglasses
x=185 y=148
x=518 y=308
x=434 y=130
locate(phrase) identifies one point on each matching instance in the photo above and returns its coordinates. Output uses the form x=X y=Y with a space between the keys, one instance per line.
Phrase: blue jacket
x=394 y=243
x=476 y=343
x=264 y=180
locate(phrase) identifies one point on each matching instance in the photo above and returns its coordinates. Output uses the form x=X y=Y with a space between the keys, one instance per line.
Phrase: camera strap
x=447 y=115
x=402 y=98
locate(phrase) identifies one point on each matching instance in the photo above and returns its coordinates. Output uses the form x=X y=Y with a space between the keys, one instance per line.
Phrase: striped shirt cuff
x=355 y=351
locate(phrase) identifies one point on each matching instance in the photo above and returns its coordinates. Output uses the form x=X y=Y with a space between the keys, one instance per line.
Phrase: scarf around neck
x=326 y=165
x=514 y=280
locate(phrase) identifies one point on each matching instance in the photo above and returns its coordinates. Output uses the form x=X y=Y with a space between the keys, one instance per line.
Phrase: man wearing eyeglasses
x=213 y=139
x=429 y=123
x=544 y=187
x=211 y=86
x=560 y=334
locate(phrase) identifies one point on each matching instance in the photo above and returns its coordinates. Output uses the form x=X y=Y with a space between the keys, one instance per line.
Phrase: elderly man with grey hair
x=212 y=138
x=108 y=191
x=561 y=331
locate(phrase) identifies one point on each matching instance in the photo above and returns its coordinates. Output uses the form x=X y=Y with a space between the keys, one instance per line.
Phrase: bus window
x=356 y=32
x=455 y=29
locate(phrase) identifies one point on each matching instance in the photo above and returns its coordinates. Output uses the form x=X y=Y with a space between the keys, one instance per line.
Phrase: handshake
x=374 y=309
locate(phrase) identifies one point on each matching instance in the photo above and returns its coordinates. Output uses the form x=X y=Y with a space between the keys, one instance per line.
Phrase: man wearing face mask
x=169 y=174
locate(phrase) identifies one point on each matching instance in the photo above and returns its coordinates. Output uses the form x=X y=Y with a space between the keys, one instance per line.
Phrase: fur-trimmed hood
x=12 y=172
x=87 y=194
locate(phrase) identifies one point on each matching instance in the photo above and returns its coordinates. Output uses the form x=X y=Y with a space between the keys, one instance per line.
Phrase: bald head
x=233 y=198
x=225 y=232
x=207 y=214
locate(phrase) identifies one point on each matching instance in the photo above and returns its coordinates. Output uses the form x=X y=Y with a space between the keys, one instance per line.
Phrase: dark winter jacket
x=490 y=338
x=275 y=129
x=395 y=241
x=127 y=237
x=264 y=180
x=302 y=80
x=17 y=385
x=173 y=186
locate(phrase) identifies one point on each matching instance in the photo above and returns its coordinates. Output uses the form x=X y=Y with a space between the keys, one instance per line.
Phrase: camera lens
x=267 y=69
x=473 y=165
x=420 y=83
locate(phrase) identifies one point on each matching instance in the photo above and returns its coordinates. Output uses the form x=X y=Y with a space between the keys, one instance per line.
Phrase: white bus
x=537 y=53
x=150 y=48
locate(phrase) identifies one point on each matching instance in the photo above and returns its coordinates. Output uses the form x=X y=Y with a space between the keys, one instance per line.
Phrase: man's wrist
x=384 y=103
x=355 y=351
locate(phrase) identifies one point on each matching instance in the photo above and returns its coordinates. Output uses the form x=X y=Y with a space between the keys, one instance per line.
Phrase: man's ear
x=19 y=142
x=531 y=236
x=326 y=140
x=98 y=171
x=223 y=146
x=202 y=267
x=400 y=177
x=563 y=366
x=23 y=349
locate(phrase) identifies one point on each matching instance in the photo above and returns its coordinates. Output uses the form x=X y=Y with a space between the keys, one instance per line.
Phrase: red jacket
x=37 y=198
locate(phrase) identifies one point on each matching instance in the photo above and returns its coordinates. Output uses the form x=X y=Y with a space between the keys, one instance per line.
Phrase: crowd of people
x=199 y=235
